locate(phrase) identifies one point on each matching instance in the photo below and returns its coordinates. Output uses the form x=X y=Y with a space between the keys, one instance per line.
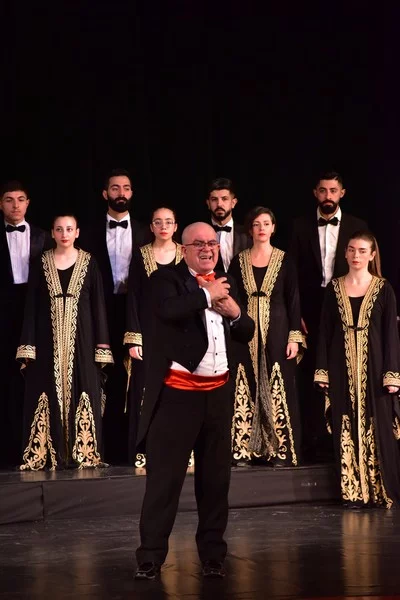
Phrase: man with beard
x=21 y=243
x=232 y=237
x=111 y=241
x=318 y=248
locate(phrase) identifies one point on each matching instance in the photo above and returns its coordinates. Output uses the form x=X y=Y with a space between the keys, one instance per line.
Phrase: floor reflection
x=276 y=552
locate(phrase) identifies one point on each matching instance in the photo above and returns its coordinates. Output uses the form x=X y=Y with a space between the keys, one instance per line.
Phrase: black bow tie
x=10 y=228
x=227 y=228
x=114 y=224
x=322 y=222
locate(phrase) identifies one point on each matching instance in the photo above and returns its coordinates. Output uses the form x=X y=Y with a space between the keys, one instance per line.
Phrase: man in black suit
x=20 y=244
x=111 y=240
x=232 y=237
x=318 y=248
x=188 y=402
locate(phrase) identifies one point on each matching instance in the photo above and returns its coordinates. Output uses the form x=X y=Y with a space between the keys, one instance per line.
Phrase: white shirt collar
x=194 y=273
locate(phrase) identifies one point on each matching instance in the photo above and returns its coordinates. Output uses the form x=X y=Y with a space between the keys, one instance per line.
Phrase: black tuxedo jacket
x=180 y=331
x=305 y=250
x=39 y=241
x=93 y=239
x=241 y=241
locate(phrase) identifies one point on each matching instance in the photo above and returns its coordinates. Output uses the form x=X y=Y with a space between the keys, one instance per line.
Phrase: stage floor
x=286 y=552
x=116 y=491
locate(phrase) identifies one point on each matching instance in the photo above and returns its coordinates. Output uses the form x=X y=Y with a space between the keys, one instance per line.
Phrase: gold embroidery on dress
x=326 y=410
x=258 y=307
x=263 y=437
x=85 y=451
x=350 y=476
x=321 y=376
x=242 y=417
x=26 y=351
x=103 y=355
x=140 y=460
x=396 y=428
x=391 y=378
x=295 y=336
x=356 y=353
x=178 y=255
x=131 y=337
x=281 y=416
x=149 y=260
x=64 y=315
x=103 y=400
x=40 y=445
x=378 y=492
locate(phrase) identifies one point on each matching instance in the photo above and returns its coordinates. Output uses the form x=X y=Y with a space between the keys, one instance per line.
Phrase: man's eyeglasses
x=160 y=223
x=200 y=245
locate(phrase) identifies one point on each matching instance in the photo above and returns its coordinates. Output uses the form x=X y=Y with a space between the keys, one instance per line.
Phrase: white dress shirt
x=19 y=246
x=215 y=360
x=225 y=239
x=119 y=245
x=328 y=239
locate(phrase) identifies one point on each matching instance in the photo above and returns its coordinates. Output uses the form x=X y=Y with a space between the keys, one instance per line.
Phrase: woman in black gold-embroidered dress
x=64 y=343
x=266 y=422
x=162 y=252
x=358 y=366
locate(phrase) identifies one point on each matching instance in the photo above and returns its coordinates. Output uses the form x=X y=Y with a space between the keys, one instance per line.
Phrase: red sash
x=181 y=380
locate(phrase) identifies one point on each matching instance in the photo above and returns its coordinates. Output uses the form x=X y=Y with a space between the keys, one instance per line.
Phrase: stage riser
x=115 y=496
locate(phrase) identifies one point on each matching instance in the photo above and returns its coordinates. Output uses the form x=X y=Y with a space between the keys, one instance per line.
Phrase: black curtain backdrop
x=181 y=92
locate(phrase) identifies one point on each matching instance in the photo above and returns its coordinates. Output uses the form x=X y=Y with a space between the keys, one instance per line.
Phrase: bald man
x=188 y=402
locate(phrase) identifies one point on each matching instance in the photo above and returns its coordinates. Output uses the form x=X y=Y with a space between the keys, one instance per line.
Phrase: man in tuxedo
x=232 y=237
x=20 y=244
x=111 y=241
x=318 y=248
x=188 y=402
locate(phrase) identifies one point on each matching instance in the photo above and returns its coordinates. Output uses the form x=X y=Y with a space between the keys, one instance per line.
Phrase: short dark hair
x=329 y=175
x=116 y=173
x=64 y=214
x=13 y=186
x=222 y=183
x=256 y=212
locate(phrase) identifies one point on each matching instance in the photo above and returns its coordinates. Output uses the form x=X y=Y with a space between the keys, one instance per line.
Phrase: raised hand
x=218 y=289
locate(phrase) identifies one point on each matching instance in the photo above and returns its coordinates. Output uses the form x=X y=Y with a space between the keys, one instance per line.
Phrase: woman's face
x=163 y=224
x=359 y=254
x=262 y=228
x=65 y=232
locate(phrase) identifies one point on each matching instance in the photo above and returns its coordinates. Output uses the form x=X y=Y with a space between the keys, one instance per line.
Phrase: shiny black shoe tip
x=213 y=569
x=148 y=570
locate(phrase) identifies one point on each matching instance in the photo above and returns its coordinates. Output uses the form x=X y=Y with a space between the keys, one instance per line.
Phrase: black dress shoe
x=213 y=568
x=148 y=570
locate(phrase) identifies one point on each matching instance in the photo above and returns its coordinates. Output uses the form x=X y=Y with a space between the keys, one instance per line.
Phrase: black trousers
x=184 y=421
x=12 y=385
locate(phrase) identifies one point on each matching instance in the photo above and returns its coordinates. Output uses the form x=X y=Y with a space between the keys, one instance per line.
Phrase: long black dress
x=139 y=332
x=64 y=322
x=266 y=420
x=358 y=356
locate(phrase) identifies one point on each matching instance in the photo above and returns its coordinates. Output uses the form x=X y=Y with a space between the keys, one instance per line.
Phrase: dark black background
x=181 y=92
